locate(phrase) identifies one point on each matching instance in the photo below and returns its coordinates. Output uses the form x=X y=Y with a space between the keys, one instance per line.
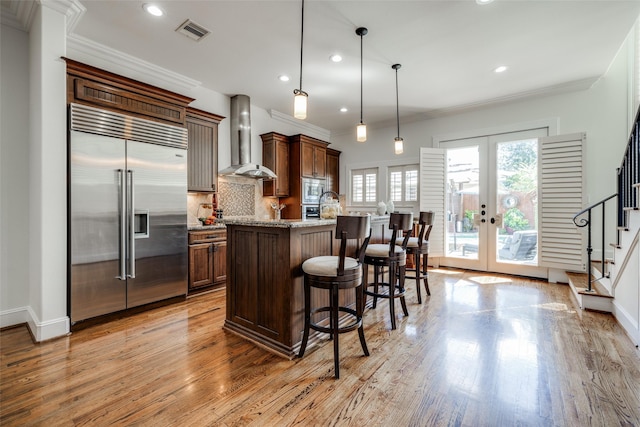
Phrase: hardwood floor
x=480 y=351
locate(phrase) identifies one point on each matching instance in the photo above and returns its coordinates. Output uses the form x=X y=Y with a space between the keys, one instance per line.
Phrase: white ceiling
x=448 y=50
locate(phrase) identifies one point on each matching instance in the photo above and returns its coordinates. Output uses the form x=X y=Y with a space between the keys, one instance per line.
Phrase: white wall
x=14 y=175
x=33 y=260
x=33 y=263
x=601 y=111
x=47 y=213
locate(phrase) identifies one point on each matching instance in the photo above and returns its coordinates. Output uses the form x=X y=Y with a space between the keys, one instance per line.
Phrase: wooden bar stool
x=334 y=273
x=419 y=248
x=392 y=257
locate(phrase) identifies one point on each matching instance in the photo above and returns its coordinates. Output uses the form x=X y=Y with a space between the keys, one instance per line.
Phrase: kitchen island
x=265 y=298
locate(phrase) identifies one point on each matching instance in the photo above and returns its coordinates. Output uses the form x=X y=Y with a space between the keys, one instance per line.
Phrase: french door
x=491 y=203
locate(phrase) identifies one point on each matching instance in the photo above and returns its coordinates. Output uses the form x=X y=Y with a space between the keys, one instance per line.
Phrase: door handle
x=497 y=220
x=132 y=231
x=123 y=226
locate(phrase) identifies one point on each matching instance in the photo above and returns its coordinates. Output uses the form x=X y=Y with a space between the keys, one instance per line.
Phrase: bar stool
x=419 y=248
x=393 y=257
x=334 y=273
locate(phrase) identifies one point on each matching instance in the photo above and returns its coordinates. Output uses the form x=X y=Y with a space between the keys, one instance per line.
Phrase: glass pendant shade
x=361 y=132
x=300 y=105
x=398 y=145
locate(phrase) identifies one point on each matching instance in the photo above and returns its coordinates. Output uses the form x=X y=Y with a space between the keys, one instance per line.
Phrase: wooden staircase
x=600 y=297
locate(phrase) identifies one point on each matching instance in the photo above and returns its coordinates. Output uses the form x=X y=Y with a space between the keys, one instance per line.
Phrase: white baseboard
x=41 y=331
x=14 y=316
x=628 y=323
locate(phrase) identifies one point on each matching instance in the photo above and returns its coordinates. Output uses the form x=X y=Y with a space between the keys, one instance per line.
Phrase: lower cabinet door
x=220 y=263
x=201 y=265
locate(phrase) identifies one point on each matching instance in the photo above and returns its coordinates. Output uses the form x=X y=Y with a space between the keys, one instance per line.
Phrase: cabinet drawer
x=207 y=236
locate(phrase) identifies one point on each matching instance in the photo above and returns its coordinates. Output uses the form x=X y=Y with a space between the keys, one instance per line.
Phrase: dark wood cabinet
x=307 y=158
x=314 y=158
x=333 y=170
x=207 y=259
x=275 y=156
x=202 y=163
x=265 y=298
x=102 y=89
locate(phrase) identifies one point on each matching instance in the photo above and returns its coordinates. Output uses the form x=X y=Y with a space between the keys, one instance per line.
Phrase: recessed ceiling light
x=483 y=1
x=153 y=9
x=500 y=69
x=335 y=57
x=344 y=109
x=283 y=78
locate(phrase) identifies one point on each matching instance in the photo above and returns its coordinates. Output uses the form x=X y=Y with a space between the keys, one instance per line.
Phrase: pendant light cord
x=361 y=34
x=301 y=44
x=397 y=103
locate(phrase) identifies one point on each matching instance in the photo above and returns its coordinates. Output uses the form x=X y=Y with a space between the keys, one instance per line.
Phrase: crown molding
x=18 y=14
x=307 y=128
x=72 y=9
x=84 y=50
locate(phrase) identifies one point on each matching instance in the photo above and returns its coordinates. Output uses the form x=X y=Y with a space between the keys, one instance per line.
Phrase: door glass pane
x=517 y=201
x=463 y=174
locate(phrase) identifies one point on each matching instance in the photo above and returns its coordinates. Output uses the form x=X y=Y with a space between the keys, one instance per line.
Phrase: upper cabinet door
x=275 y=156
x=203 y=150
x=314 y=161
x=333 y=170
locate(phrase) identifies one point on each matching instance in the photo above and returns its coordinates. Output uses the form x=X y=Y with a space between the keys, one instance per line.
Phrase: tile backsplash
x=237 y=196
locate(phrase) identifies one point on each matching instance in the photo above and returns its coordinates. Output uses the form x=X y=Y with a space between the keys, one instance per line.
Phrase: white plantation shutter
x=432 y=195
x=560 y=163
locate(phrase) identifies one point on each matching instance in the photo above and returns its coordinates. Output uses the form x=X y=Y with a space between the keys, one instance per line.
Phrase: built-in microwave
x=312 y=189
x=310 y=212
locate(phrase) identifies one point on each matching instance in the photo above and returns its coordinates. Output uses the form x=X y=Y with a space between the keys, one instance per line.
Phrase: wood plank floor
x=482 y=350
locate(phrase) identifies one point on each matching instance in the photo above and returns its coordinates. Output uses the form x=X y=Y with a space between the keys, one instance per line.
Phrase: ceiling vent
x=193 y=30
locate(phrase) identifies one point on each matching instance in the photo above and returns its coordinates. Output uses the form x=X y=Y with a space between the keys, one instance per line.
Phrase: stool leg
x=401 y=277
x=416 y=260
x=307 y=318
x=392 y=290
x=334 y=328
x=425 y=259
x=376 y=275
x=359 y=313
x=365 y=278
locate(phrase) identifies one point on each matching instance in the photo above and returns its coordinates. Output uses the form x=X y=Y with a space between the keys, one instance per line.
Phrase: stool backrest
x=402 y=222
x=426 y=224
x=352 y=227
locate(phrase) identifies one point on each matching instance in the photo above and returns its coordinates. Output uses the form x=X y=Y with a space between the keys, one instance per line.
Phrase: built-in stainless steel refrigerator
x=127 y=212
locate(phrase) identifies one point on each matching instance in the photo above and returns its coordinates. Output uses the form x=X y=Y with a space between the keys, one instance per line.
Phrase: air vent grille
x=192 y=30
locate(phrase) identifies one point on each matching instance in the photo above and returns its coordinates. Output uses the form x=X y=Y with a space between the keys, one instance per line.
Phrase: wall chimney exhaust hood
x=240 y=123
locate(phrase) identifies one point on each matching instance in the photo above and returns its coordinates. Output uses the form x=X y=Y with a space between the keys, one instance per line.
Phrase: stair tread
x=580 y=282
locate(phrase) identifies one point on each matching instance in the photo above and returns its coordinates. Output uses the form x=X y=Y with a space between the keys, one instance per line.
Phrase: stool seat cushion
x=412 y=242
x=382 y=250
x=328 y=265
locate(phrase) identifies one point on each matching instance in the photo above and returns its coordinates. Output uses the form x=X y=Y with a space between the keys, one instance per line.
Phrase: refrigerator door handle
x=123 y=226
x=132 y=230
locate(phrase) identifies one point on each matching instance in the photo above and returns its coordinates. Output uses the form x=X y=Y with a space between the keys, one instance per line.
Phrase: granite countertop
x=286 y=223
x=197 y=227
x=281 y=223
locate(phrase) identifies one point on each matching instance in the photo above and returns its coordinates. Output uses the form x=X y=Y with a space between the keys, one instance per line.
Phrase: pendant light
x=398 y=142
x=361 y=130
x=300 y=97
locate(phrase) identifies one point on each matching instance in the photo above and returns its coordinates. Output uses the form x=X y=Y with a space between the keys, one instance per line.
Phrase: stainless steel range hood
x=241 y=142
